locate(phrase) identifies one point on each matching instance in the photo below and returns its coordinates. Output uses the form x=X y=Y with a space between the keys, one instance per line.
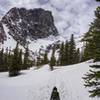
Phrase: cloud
x=70 y=16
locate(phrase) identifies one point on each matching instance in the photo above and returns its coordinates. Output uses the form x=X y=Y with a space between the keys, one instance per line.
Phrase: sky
x=70 y=17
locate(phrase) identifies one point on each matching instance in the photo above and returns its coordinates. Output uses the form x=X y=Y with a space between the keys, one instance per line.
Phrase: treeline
x=67 y=54
x=92 y=51
x=14 y=61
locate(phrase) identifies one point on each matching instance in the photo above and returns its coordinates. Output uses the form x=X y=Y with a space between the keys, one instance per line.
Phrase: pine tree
x=77 y=56
x=66 y=52
x=6 y=60
x=10 y=57
x=2 y=60
x=87 y=54
x=72 y=50
x=14 y=68
x=92 y=79
x=38 y=62
x=20 y=59
x=26 y=59
x=62 y=55
x=53 y=59
x=92 y=38
x=45 y=58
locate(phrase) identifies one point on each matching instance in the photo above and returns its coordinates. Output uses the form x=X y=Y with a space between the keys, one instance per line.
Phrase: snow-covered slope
x=9 y=43
x=38 y=84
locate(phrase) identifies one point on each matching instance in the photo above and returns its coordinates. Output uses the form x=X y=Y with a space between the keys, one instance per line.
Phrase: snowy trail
x=67 y=87
x=38 y=84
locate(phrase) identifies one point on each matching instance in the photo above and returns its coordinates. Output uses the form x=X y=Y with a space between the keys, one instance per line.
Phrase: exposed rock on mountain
x=2 y=33
x=30 y=24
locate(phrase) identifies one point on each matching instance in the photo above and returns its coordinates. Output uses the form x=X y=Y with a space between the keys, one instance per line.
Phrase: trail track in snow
x=38 y=84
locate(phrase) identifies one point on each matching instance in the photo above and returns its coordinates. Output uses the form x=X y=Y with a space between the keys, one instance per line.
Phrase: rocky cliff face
x=2 y=33
x=30 y=24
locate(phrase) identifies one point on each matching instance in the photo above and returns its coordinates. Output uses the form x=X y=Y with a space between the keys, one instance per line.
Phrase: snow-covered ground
x=38 y=84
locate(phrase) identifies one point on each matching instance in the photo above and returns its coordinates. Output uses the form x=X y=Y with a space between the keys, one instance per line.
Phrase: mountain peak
x=32 y=24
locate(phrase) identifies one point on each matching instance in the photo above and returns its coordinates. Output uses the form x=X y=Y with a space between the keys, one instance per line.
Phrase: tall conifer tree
x=62 y=54
x=2 y=60
x=77 y=56
x=66 y=52
x=45 y=58
x=14 y=68
x=6 y=60
x=53 y=59
x=20 y=62
x=92 y=38
x=72 y=50
x=26 y=59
